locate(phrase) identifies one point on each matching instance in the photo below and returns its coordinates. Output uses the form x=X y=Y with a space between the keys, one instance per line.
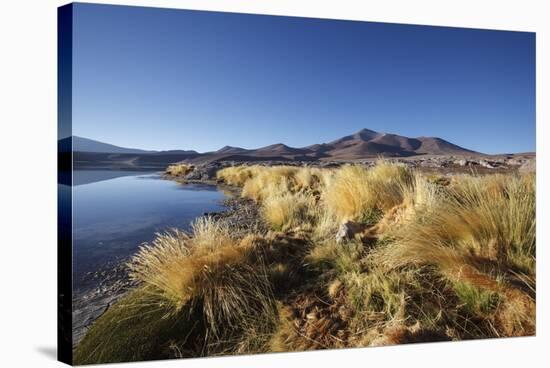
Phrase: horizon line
x=297 y=147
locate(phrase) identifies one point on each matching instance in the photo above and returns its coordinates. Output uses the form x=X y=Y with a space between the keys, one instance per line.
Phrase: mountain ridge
x=365 y=143
x=362 y=144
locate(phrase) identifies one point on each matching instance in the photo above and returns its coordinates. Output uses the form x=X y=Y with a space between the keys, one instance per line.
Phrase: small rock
x=213 y=215
x=348 y=230
x=486 y=164
x=462 y=162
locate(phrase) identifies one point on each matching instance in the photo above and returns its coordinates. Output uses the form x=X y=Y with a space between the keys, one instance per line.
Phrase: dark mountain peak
x=364 y=135
x=367 y=131
x=367 y=134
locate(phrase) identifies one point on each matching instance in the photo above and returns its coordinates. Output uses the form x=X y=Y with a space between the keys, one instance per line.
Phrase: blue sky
x=175 y=79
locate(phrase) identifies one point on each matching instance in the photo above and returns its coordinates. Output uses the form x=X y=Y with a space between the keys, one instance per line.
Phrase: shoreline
x=115 y=283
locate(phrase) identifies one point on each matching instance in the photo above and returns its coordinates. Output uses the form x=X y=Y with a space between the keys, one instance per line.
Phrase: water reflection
x=81 y=177
x=114 y=212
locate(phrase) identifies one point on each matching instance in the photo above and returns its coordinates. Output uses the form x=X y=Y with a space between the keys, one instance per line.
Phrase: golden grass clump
x=214 y=271
x=422 y=194
x=277 y=180
x=356 y=191
x=179 y=169
x=209 y=235
x=312 y=178
x=259 y=182
x=480 y=233
x=419 y=196
x=347 y=196
x=237 y=175
x=286 y=211
x=475 y=220
x=268 y=182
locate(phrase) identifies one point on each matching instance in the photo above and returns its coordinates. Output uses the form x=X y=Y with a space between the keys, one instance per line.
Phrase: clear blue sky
x=176 y=79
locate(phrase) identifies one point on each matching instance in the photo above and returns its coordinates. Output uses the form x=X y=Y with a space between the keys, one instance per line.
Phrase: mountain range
x=360 y=145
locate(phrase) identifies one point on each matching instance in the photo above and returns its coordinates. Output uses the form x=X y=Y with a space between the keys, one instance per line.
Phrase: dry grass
x=260 y=182
x=355 y=192
x=444 y=258
x=287 y=211
x=481 y=233
x=236 y=175
x=478 y=232
x=209 y=235
x=209 y=269
x=268 y=182
x=485 y=217
x=179 y=169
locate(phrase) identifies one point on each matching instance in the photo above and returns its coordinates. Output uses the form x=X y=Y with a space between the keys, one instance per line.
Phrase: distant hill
x=360 y=145
x=368 y=143
x=89 y=153
x=89 y=145
x=230 y=149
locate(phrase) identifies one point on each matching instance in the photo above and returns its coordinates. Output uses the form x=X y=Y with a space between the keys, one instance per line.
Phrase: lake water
x=116 y=211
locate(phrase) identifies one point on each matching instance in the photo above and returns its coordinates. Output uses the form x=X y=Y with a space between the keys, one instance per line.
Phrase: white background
x=28 y=181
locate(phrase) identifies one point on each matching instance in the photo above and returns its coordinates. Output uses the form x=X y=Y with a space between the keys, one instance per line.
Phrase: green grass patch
x=475 y=300
x=139 y=328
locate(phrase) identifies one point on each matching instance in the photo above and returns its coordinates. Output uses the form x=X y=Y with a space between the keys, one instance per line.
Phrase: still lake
x=114 y=212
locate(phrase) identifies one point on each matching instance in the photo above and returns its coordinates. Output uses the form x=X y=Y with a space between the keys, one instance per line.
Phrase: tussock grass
x=236 y=175
x=209 y=235
x=267 y=183
x=286 y=211
x=477 y=232
x=480 y=234
x=356 y=191
x=179 y=169
x=260 y=182
x=209 y=268
x=490 y=218
x=437 y=258
x=288 y=194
